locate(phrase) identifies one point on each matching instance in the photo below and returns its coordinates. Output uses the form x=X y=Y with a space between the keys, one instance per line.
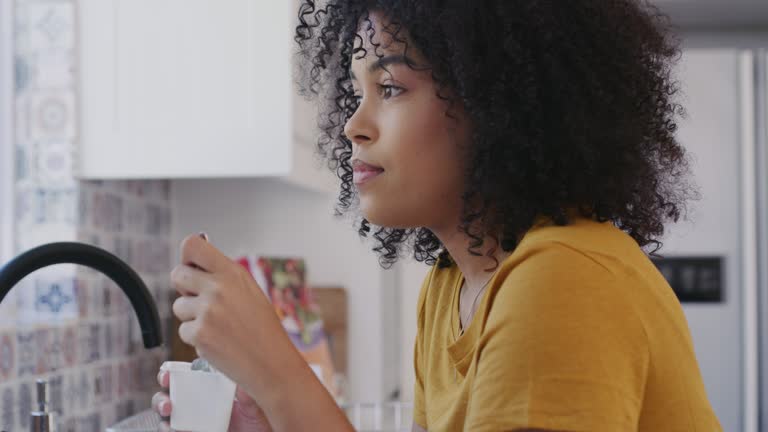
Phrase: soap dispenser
x=42 y=420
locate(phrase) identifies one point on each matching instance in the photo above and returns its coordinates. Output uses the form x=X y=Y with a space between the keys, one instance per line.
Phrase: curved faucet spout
x=99 y=259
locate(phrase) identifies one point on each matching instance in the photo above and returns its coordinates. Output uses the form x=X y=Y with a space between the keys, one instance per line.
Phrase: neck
x=475 y=269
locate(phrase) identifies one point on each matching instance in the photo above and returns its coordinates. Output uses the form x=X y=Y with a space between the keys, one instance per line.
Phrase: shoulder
x=556 y=271
x=570 y=275
x=436 y=288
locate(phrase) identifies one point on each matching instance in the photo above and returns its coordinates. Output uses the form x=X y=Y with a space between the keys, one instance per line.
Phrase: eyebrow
x=385 y=61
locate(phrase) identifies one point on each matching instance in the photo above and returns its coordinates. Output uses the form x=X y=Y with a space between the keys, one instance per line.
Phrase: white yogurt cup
x=200 y=401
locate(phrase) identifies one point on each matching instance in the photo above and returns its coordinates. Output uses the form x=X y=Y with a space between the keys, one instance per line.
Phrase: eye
x=388 y=91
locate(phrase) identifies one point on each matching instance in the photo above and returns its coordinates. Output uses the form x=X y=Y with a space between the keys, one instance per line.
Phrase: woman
x=525 y=150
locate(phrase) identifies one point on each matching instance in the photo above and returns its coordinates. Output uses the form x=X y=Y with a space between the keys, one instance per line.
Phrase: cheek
x=421 y=151
x=427 y=165
x=428 y=149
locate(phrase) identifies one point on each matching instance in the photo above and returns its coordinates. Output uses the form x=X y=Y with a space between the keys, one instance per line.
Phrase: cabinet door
x=184 y=88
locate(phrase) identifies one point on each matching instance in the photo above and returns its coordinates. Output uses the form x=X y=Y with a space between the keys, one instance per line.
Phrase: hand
x=230 y=322
x=246 y=414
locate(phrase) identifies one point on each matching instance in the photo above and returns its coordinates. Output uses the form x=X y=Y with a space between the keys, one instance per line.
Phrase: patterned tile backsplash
x=69 y=324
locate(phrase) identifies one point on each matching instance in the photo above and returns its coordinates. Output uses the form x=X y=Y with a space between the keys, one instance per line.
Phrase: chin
x=386 y=213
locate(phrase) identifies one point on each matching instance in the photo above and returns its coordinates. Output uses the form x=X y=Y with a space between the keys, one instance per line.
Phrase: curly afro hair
x=572 y=105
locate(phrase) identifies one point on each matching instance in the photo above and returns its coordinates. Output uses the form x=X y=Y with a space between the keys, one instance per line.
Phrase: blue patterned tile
x=134 y=216
x=107 y=211
x=89 y=343
x=71 y=392
x=169 y=329
x=9 y=312
x=103 y=388
x=84 y=390
x=56 y=350
x=7 y=413
x=21 y=74
x=82 y=295
x=96 y=294
x=120 y=337
x=109 y=342
x=42 y=350
x=7 y=356
x=69 y=350
x=155 y=220
x=54 y=164
x=51 y=25
x=55 y=296
x=22 y=122
x=56 y=394
x=123 y=249
x=84 y=203
x=125 y=409
x=52 y=115
x=25 y=210
x=47 y=296
x=135 y=374
x=25 y=395
x=40 y=206
x=59 y=205
x=53 y=69
x=134 y=337
x=154 y=257
x=25 y=343
x=90 y=423
x=68 y=425
x=123 y=379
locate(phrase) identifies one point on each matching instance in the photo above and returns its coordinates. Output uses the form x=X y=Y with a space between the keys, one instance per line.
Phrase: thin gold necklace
x=471 y=308
x=461 y=326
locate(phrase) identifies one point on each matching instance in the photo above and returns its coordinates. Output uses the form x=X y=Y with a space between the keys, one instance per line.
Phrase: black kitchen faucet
x=98 y=259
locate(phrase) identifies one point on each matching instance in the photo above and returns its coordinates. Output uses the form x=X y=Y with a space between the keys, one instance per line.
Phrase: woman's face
x=406 y=152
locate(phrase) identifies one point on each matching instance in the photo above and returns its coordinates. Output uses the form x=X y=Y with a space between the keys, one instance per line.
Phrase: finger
x=164 y=379
x=161 y=403
x=188 y=332
x=247 y=405
x=189 y=281
x=197 y=251
x=187 y=308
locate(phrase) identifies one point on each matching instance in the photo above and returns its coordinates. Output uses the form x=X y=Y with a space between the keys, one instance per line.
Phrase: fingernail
x=164 y=408
x=203 y=235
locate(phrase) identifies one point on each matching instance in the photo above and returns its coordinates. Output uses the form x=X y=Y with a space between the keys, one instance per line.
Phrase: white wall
x=6 y=129
x=261 y=216
x=411 y=275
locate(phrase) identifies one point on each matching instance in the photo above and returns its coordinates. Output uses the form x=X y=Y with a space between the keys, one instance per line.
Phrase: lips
x=363 y=172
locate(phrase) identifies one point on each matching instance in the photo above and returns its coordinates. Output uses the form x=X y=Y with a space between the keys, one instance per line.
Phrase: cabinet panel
x=185 y=88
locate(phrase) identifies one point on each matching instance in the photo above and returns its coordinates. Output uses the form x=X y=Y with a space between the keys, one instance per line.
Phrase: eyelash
x=384 y=88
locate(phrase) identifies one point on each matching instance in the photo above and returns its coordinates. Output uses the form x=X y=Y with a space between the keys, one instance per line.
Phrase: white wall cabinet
x=190 y=89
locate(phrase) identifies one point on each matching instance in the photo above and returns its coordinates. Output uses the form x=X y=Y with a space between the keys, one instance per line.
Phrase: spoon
x=201 y=364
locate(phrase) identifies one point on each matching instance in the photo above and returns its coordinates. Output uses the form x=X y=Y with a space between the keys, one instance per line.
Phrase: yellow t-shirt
x=577 y=331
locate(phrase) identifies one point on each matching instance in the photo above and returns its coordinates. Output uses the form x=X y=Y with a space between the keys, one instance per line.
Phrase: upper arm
x=561 y=350
x=419 y=399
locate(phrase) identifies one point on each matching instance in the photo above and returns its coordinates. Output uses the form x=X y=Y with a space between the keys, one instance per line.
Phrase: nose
x=360 y=128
